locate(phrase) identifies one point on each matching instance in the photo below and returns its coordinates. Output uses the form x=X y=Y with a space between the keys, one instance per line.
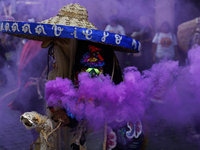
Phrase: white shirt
x=165 y=44
x=117 y=29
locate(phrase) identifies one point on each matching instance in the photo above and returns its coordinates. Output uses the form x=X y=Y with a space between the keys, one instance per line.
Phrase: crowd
x=155 y=46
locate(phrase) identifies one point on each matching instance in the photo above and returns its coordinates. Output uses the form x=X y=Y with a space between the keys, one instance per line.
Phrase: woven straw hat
x=71 y=15
x=70 y=22
x=185 y=33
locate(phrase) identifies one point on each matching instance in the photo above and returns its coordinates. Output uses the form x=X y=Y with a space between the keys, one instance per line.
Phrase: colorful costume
x=88 y=71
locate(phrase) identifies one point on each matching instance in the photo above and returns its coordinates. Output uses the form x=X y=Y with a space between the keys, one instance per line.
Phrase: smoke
x=99 y=12
x=22 y=80
x=166 y=92
x=97 y=99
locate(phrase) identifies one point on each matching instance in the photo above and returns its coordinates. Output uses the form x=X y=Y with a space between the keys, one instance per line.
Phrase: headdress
x=71 y=22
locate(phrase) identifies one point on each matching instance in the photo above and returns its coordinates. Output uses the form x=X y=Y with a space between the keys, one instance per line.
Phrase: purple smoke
x=97 y=99
x=176 y=89
x=173 y=90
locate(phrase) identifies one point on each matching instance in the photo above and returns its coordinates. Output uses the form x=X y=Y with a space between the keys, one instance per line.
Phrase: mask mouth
x=26 y=122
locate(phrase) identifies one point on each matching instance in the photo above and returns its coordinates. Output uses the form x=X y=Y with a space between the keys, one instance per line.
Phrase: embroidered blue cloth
x=48 y=30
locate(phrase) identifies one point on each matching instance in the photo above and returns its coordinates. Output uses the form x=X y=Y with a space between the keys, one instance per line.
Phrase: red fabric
x=30 y=50
x=95 y=49
x=101 y=58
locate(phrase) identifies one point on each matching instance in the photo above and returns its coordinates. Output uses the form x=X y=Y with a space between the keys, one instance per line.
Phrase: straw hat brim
x=39 y=31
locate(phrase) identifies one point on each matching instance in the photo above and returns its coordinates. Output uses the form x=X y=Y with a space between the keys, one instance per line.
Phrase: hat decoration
x=71 y=22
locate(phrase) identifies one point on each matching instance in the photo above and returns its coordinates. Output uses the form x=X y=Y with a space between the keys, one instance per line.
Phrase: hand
x=61 y=114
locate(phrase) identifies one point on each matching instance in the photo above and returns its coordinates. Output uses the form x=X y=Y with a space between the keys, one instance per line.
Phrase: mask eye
x=35 y=120
x=97 y=53
x=21 y=118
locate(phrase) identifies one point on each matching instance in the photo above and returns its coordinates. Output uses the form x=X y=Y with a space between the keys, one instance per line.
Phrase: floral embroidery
x=118 y=39
x=105 y=35
x=57 y=28
x=134 y=130
x=111 y=139
x=15 y=27
x=74 y=33
x=1 y=29
x=26 y=28
x=7 y=27
x=87 y=33
x=40 y=29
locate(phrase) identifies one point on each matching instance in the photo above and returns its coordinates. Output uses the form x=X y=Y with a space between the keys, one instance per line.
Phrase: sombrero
x=185 y=33
x=71 y=22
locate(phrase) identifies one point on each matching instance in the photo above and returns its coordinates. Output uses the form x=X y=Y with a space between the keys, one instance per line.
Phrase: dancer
x=78 y=47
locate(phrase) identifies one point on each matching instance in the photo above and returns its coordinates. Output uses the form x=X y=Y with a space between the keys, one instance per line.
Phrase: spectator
x=143 y=59
x=164 y=44
x=114 y=27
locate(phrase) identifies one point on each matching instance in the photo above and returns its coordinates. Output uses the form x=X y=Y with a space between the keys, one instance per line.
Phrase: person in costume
x=80 y=49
